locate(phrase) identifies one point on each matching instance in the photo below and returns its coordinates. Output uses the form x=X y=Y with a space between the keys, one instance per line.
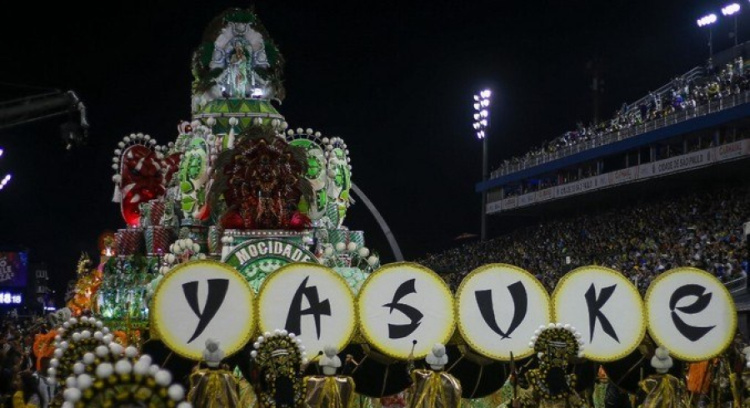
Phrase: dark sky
x=394 y=79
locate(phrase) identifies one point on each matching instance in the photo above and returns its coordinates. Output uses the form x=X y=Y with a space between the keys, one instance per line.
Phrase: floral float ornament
x=44 y=346
x=261 y=184
x=280 y=357
x=86 y=287
x=198 y=154
x=124 y=381
x=314 y=146
x=340 y=174
x=74 y=339
x=550 y=385
x=349 y=255
x=181 y=251
x=139 y=177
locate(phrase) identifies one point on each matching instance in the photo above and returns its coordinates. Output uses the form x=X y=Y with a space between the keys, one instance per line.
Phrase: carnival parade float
x=235 y=271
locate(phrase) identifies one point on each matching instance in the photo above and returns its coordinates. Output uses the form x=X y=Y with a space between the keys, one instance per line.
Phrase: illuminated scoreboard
x=13 y=278
x=10 y=298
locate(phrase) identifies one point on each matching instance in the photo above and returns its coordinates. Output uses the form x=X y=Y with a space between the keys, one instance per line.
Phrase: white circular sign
x=691 y=313
x=203 y=300
x=605 y=307
x=499 y=308
x=311 y=301
x=404 y=306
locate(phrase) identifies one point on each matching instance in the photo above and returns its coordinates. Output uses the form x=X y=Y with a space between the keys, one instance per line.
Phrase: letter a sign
x=311 y=301
x=691 y=313
x=404 y=306
x=200 y=300
x=605 y=307
x=499 y=308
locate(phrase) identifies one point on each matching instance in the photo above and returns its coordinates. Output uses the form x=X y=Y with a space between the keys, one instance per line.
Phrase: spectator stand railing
x=737 y=286
x=714 y=106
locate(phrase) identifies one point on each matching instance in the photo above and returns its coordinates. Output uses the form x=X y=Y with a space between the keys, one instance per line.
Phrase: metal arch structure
x=381 y=222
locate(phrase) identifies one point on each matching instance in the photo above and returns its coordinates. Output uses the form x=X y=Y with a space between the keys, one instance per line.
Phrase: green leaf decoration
x=188 y=203
x=186 y=187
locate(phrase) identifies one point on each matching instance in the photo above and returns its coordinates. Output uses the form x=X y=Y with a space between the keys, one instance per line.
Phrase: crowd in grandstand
x=701 y=229
x=23 y=383
x=684 y=93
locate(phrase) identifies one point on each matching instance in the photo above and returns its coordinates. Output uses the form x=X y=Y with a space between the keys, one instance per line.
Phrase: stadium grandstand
x=664 y=183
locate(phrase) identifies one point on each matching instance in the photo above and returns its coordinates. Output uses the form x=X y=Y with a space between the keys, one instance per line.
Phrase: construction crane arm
x=38 y=107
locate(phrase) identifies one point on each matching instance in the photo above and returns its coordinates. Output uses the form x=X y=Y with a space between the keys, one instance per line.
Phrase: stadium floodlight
x=1 y=152
x=481 y=112
x=5 y=181
x=730 y=9
x=707 y=20
x=481 y=123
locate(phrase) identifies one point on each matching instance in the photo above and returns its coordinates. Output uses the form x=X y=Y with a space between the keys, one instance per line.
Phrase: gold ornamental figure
x=434 y=387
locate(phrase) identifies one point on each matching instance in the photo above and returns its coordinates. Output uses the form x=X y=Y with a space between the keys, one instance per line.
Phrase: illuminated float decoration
x=236 y=181
x=236 y=232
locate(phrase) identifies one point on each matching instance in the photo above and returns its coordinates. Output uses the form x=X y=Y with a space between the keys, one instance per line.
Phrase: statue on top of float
x=86 y=287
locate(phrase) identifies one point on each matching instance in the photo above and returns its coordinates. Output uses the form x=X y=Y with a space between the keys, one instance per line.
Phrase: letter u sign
x=499 y=307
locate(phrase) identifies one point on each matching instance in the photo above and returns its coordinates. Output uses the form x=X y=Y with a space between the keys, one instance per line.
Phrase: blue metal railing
x=718 y=105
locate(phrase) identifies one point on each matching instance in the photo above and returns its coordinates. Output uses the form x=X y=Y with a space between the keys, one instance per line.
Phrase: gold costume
x=247 y=394
x=538 y=394
x=434 y=389
x=211 y=388
x=329 y=392
x=664 y=391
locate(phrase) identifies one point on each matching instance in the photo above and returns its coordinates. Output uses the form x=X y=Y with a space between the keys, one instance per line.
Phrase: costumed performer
x=280 y=359
x=435 y=388
x=662 y=389
x=549 y=385
x=329 y=390
x=214 y=386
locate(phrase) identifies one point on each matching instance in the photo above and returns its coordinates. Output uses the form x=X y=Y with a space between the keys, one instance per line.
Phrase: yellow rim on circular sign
x=460 y=325
x=338 y=279
x=158 y=320
x=723 y=290
x=367 y=331
x=633 y=292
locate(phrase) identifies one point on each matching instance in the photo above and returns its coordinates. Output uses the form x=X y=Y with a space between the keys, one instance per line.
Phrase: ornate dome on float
x=235 y=185
x=237 y=71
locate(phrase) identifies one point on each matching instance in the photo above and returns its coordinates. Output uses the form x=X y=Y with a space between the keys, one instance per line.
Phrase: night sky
x=394 y=79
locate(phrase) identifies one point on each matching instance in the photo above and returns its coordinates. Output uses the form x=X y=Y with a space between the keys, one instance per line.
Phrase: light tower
x=481 y=124
x=708 y=21
x=4 y=181
x=732 y=10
